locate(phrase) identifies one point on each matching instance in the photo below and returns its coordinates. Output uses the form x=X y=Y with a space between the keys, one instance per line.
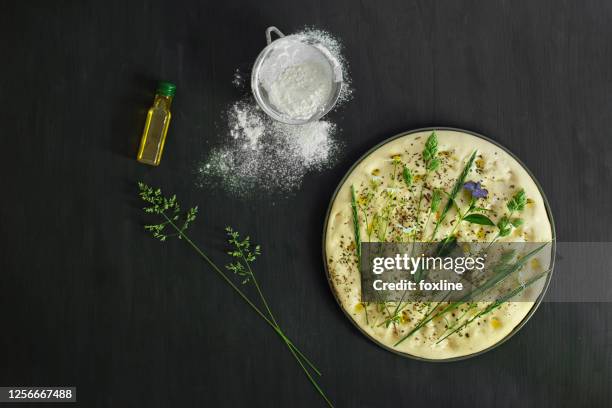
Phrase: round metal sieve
x=278 y=55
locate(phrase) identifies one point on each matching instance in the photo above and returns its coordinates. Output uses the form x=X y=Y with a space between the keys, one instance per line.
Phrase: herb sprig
x=436 y=198
x=453 y=194
x=407 y=176
x=243 y=254
x=508 y=222
x=501 y=274
x=356 y=223
x=494 y=305
x=432 y=162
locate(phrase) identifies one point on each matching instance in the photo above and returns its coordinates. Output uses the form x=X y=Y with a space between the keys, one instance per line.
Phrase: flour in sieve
x=301 y=90
x=297 y=78
x=335 y=47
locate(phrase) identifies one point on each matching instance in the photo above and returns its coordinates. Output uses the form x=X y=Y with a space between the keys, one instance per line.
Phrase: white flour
x=301 y=90
x=312 y=142
x=245 y=126
x=264 y=155
x=238 y=79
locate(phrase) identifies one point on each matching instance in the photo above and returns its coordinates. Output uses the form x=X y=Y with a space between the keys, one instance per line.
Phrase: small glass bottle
x=156 y=126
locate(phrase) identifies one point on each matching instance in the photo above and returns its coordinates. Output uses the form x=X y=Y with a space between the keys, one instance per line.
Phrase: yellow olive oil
x=156 y=126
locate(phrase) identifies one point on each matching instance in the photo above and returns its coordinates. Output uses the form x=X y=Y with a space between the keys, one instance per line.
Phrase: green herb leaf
x=479 y=219
x=436 y=197
x=431 y=147
x=407 y=176
x=433 y=164
x=504 y=226
x=518 y=201
x=517 y=222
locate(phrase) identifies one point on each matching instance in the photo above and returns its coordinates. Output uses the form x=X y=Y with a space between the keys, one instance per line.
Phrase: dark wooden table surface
x=87 y=299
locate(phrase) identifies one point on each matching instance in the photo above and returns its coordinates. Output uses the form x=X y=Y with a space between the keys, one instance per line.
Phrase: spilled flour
x=261 y=154
x=267 y=155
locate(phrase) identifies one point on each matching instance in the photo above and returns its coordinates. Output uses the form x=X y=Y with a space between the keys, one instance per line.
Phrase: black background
x=87 y=299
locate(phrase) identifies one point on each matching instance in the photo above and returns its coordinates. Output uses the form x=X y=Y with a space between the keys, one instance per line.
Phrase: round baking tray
x=548 y=276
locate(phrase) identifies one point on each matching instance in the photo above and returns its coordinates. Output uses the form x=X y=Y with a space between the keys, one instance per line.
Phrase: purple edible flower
x=480 y=193
x=476 y=189
x=471 y=186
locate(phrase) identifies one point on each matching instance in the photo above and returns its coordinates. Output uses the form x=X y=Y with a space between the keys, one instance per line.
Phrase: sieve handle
x=274 y=30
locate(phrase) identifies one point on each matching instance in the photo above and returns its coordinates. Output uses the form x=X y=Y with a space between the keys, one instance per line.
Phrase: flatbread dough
x=499 y=173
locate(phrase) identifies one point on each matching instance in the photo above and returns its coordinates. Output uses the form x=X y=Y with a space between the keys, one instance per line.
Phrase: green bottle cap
x=166 y=88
